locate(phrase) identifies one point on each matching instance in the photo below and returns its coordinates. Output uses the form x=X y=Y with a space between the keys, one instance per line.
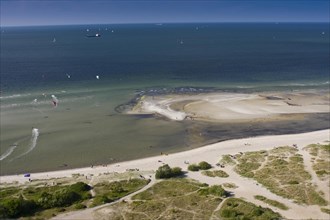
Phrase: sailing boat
x=54 y=40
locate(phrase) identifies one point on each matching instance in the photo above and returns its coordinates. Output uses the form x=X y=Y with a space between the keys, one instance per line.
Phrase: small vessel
x=95 y=35
x=54 y=40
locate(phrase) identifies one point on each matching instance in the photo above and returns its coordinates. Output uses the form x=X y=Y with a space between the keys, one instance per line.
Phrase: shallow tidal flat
x=90 y=131
x=211 y=117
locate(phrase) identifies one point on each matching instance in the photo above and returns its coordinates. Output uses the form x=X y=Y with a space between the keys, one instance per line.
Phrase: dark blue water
x=266 y=53
x=85 y=129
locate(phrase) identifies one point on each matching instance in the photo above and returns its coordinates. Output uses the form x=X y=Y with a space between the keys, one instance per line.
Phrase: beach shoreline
x=211 y=153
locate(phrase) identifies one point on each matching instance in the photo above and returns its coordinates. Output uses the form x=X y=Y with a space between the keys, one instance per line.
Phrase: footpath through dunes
x=244 y=187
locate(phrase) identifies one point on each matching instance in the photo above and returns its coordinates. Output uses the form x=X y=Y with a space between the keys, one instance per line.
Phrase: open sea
x=91 y=76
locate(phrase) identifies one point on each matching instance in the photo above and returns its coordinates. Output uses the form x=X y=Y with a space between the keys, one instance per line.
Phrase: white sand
x=212 y=153
x=233 y=106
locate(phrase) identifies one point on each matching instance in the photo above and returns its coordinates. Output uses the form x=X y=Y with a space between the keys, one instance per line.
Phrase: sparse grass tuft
x=282 y=171
x=215 y=173
x=271 y=202
x=227 y=160
x=325 y=210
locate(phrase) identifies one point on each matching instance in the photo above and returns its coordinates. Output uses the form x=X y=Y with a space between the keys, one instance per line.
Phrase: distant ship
x=96 y=35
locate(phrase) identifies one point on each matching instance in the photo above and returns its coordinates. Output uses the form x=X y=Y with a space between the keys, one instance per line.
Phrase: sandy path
x=88 y=214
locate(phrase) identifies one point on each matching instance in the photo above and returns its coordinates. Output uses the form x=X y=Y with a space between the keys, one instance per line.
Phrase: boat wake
x=8 y=152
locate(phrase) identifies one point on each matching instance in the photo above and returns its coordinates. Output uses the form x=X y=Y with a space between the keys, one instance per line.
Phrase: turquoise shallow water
x=85 y=129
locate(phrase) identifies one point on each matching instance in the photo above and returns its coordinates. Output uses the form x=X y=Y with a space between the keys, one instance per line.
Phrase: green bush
x=193 y=167
x=80 y=187
x=80 y=206
x=99 y=200
x=204 y=165
x=166 y=171
x=64 y=197
x=16 y=207
x=215 y=190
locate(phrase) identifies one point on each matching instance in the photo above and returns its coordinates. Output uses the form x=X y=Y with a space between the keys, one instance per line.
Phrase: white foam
x=14 y=96
x=33 y=142
x=164 y=110
x=8 y=152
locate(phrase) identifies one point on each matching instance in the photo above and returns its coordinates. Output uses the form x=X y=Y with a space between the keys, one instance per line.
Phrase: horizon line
x=155 y=23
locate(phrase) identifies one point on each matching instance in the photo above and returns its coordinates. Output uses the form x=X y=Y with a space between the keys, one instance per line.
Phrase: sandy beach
x=233 y=107
x=211 y=153
x=247 y=188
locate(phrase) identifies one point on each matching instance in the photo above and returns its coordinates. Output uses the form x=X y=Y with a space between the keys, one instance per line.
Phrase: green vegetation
x=239 y=209
x=271 y=202
x=110 y=191
x=204 y=165
x=249 y=162
x=215 y=190
x=230 y=185
x=41 y=202
x=17 y=203
x=171 y=199
x=282 y=171
x=321 y=165
x=227 y=160
x=165 y=172
x=193 y=167
x=201 y=166
x=215 y=173
x=325 y=210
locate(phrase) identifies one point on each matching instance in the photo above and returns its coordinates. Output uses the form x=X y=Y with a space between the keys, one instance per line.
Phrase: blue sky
x=55 y=12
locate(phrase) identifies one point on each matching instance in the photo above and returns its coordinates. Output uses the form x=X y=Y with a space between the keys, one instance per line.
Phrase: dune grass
x=234 y=208
x=281 y=170
x=271 y=202
x=321 y=163
x=215 y=173
x=110 y=191
x=172 y=199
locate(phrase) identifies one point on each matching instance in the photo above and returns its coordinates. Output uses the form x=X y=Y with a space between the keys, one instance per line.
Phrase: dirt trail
x=88 y=214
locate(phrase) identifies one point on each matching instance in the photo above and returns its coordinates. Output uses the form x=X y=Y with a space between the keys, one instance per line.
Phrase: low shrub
x=165 y=172
x=204 y=165
x=193 y=167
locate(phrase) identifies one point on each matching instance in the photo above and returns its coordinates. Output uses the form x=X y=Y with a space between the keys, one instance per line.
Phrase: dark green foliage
x=177 y=171
x=80 y=206
x=60 y=198
x=41 y=198
x=16 y=207
x=193 y=167
x=215 y=190
x=239 y=209
x=166 y=171
x=99 y=200
x=204 y=165
x=80 y=187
